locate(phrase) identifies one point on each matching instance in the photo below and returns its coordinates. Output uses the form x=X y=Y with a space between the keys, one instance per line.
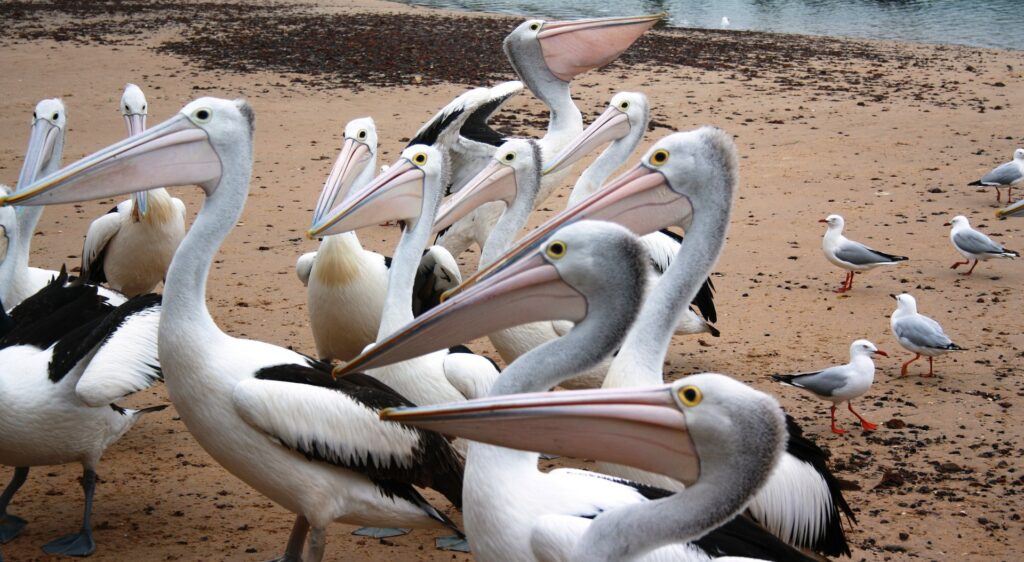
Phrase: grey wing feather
x=823 y=383
x=859 y=254
x=922 y=331
x=974 y=242
x=1003 y=175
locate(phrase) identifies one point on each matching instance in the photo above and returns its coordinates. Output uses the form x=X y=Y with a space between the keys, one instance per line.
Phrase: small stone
x=895 y=423
x=904 y=536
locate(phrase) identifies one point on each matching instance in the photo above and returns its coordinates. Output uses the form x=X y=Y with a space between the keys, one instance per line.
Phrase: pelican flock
x=691 y=466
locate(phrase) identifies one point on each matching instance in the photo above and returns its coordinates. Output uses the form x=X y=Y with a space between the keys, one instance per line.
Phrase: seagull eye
x=202 y=115
x=420 y=158
x=659 y=157
x=556 y=250
x=690 y=395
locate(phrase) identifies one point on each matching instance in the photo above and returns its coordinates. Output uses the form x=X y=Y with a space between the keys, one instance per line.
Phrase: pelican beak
x=880 y=352
x=574 y=47
x=136 y=123
x=41 y=142
x=529 y=290
x=1015 y=210
x=351 y=162
x=175 y=152
x=641 y=200
x=612 y=125
x=496 y=182
x=638 y=427
x=396 y=194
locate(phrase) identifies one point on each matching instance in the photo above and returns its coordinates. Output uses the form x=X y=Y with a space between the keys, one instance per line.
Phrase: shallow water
x=982 y=23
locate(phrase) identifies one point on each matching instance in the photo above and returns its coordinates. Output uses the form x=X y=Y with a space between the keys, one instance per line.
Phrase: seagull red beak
x=880 y=352
x=822 y=220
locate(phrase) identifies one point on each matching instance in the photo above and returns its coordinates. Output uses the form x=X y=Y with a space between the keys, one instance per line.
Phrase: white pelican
x=410 y=191
x=841 y=383
x=974 y=245
x=345 y=283
x=272 y=417
x=66 y=357
x=918 y=333
x=513 y=512
x=130 y=247
x=850 y=255
x=688 y=180
x=546 y=55
x=1009 y=174
x=1014 y=210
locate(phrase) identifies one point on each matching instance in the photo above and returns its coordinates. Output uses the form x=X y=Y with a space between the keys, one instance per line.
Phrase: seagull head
x=865 y=348
x=833 y=221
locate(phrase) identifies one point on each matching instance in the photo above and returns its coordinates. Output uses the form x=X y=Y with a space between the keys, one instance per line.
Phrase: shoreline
x=887 y=134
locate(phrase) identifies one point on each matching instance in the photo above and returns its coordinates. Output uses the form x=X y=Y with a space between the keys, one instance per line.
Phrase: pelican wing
x=477 y=127
x=125 y=359
x=96 y=239
x=303 y=267
x=471 y=374
x=437 y=273
x=974 y=242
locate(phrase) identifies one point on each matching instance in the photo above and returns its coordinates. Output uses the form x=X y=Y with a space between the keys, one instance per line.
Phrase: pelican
x=513 y=511
x=546 y=55
x=130 y=248
x=410 y=191
x=345 y=283
x=272 y=417
x=67 y=356
x=688 y=180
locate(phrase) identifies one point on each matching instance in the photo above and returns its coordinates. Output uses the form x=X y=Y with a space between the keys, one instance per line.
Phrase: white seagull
x=918 y=333
x=130 y=247
x=841 y=383
x=973 y=245
x=849 y=255
x=1008 y=175
x=273 y=417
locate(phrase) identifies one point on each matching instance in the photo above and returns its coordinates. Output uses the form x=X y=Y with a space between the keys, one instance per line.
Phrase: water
x=982 y=23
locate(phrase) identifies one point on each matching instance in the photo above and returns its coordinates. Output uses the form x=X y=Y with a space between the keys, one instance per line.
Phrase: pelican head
x=699 y=425
x=627 y=115
x=134 y=109
x=681 y=173
x=513 y=172
x=46 y=141
x=556 y=281
x=186 y=149
x=354 y=166
x=561 y=50
x=397 y=194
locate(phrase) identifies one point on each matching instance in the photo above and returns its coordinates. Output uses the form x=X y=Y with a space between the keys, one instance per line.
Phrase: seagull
x=1008 y=174
x=841 y=383
x=725 y=21
x=974 y=245
x=918 y=333
x=849 y=255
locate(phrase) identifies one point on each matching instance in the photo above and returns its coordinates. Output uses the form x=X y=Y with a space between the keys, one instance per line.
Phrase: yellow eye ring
x=659 y=157
x=509 y=157
x=556 y=250
x=534 y=26
x=624 y=105
x=202 y=115
x=690 y=395
x=361 y=134
x=420 y=158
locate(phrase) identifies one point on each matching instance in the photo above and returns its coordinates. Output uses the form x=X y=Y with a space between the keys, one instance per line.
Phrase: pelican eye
x=624 y=105
x=659 y=157
x=556 y=250
x=690 y=395
x=420 y=158
x=534 y=26
x=34 y=115
x=361 y=134
x=56 y=116
x=202 y=115
x=509 y=157
x=143 y=108
x=126 y=108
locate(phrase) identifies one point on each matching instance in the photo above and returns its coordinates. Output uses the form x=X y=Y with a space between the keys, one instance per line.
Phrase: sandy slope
x=888 y=139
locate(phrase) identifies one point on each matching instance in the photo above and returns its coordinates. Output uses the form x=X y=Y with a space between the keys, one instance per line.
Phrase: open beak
x=136 y=123
x=41 y=142
x=1015 y=210
x=396 y=194
x=574 y=47
x=529 y=290
x=351 y=162
x=880 y=352
x=612 y=125
x=639 y=427
x=175 y=152
x=640 y=200
x=496 y=182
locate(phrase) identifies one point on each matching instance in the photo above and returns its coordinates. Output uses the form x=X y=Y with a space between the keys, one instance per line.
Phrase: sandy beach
x=886 y=134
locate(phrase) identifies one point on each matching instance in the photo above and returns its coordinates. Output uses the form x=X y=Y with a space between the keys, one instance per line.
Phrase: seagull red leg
x=835 y=429
x=931 y=373
x=972 y=268
x=847 y=283
x=863 y=422
x=959 y=263
x=903 y=369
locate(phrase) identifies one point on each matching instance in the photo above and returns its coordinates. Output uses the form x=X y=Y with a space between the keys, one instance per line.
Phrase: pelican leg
x=903 y=369
x=317 y=545
x=968 y=272
x=863 y=422
x=835 y=429
x=959 y=263
x=380 y=532
x=11 y=525
x=293 y=550
x=80 y=544
x=452 y=542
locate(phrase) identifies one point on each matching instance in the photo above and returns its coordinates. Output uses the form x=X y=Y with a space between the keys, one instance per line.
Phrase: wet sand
x=886 y=134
